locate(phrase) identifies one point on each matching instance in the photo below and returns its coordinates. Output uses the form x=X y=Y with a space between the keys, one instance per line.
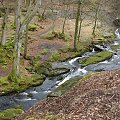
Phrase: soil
x=94 y=98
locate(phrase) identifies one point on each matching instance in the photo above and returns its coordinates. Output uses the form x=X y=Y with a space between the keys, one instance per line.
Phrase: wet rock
x=64 y=87
x=116 y=48
x=93 y=59
x=117 y=22
x=47 y=70
x=107 y=35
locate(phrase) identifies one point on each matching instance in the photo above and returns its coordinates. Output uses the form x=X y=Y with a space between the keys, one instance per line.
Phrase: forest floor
x=39 y=45
x=94 y=98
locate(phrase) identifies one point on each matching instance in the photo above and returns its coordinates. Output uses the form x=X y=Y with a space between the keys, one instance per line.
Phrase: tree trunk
x=4 y=27
x=76 y=26
x=80 y=25
x=20 y=28
x=65 y=18
x=26 y=42
x=63 y=28
x=16 y=63
x=96 y=18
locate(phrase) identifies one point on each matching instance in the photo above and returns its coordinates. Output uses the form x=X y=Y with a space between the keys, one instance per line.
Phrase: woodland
x=59 y=60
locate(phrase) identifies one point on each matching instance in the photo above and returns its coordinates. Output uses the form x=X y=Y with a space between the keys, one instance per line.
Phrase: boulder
x=117 y=22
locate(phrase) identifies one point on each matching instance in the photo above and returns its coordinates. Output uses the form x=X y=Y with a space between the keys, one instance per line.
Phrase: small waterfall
x=117 y=33
x=93 y=50
x=78 y=72
x=71 y=62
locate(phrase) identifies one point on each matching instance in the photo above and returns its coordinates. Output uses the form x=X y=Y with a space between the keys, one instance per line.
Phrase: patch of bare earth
x=95 y=98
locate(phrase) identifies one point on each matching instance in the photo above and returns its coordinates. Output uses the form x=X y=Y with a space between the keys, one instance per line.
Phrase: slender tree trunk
x=76 y=26
x=65 y=18
x=63 y=28
x=20 y=28
x=80 y=25
x=4 y=27
x=26 y=42
x=16 y=64
x=96 y=18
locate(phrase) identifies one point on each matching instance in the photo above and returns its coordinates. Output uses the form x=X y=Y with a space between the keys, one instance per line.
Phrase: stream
x=34 y=94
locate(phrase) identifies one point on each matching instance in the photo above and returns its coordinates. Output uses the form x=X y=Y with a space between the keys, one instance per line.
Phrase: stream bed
x=34 y=94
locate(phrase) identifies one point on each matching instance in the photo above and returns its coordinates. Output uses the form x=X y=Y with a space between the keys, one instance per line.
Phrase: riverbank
x=96 y=97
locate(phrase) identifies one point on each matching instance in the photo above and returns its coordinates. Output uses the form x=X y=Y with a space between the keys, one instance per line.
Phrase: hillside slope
x=95 y=98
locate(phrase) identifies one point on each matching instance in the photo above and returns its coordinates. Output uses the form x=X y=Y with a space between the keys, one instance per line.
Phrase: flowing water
x=35 y=94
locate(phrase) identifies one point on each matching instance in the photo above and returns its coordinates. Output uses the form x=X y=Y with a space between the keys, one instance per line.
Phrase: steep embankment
x=94 y=98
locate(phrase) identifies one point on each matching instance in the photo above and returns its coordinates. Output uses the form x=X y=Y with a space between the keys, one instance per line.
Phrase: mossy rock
x=64 y=87
x=20 y=84
x=115 y=48
x=58 y=71
x=51 y=35
x=93 y=59
x=44 y=51
x=55 y=56
x=10 y=114
x=47 y=70
x=32 y=27
x=63 y=36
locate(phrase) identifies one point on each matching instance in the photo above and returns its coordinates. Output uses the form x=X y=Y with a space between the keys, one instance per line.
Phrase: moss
x=93 y=59
x=116 y=48
x=20 y=84
x=54 y=57
x=44 y=51
x=52 y=35
x=40 y=18
x=12 y=25
x=5 y=54
x=64 y=87
x=48 y=116
x=64 y=36
x=10 y=114
x=32 y=27
x=47 y=70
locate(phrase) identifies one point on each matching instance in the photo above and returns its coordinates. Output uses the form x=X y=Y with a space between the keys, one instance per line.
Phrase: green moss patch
x=116 y=48
x=55 y=56
x=93 y=59
x=32 y=27
x=45 y=51
x=6 y=53
x=22 y=83
x=48 y=116
x=64 y=87
x=47 y=70
x=52 y=35
x=10 y=114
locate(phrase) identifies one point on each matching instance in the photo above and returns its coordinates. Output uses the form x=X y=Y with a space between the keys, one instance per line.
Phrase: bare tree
x=98 y=3
x=65 y=16
x=77 y=25
x=20 y=28
x=4 y=25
